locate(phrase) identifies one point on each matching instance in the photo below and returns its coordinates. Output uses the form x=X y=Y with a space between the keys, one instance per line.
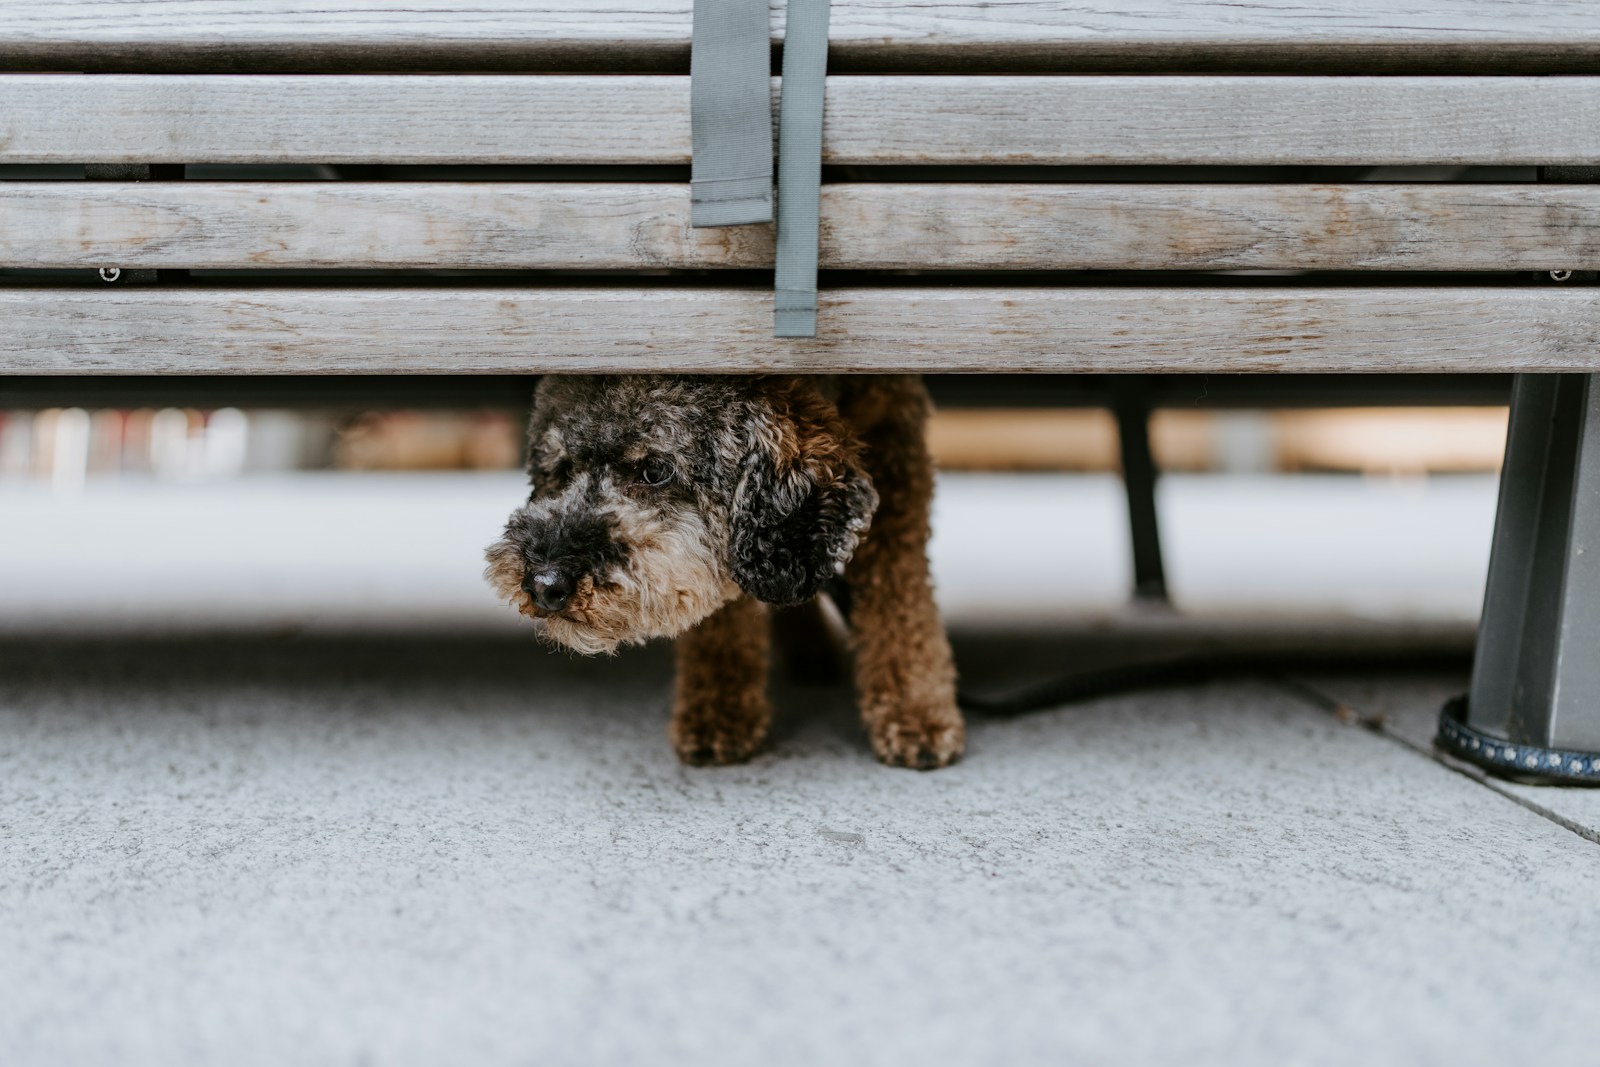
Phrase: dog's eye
x=656 y=472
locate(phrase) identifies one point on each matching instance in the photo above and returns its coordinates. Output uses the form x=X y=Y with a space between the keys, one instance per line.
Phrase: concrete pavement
x=413 y=850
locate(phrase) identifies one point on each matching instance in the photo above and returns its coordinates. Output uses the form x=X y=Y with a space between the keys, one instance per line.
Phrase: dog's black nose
x=550 y=586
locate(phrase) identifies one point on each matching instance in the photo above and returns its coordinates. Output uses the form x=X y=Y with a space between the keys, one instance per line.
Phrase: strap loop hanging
x=731 y=121
x=730 y=108
x=805 y=68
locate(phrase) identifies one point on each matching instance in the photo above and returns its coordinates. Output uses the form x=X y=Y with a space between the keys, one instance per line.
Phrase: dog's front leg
x=904 y=669
x=720 y=713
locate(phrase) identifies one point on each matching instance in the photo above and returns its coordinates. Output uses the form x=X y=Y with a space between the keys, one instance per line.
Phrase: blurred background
x=68 y=447
x=153 y=518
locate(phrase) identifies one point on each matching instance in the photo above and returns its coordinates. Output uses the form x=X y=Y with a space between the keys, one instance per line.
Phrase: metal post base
x=1534 y=708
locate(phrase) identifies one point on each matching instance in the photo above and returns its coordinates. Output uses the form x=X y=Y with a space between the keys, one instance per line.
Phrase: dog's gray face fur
x=656 y=500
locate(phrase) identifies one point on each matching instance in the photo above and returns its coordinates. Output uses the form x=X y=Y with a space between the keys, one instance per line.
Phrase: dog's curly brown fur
x=683 y=506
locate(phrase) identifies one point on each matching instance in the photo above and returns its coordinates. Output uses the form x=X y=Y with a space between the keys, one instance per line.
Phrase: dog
x=690 y=506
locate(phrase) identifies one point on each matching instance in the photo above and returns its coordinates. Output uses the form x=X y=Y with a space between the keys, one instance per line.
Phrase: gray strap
x=805 y=69
x=730 y=109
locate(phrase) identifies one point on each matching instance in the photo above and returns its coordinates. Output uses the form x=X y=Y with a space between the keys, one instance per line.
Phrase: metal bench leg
x=1131 y=402
x=1534 y=708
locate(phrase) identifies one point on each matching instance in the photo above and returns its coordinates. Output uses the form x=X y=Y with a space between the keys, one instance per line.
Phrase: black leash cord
x=1187 y=669
x=1093 y=684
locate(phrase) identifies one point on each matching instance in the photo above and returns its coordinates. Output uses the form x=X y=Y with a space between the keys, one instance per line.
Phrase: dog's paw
x=922 y=742
x=705 y=738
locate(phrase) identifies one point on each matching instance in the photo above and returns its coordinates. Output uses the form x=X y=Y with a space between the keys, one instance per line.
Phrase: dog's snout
x=550 y=586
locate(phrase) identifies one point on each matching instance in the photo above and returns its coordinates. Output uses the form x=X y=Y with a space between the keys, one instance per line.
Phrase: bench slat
x=529 y=34
x=447 y=225
x=183 y=330
x=112 y=118
x=905 y=120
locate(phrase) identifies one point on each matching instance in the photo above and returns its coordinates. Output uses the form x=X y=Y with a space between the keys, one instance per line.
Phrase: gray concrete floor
x=413 y=850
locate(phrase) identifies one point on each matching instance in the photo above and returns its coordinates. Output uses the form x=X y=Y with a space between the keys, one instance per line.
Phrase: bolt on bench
x=1038 y=187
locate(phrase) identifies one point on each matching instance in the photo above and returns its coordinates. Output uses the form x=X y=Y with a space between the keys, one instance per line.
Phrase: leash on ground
x=1190 y=668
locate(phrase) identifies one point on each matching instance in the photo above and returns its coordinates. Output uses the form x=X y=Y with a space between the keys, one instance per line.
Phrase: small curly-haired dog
x=677 y=506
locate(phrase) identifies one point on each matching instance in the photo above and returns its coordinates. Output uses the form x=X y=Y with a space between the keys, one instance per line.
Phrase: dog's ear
x=802 y=501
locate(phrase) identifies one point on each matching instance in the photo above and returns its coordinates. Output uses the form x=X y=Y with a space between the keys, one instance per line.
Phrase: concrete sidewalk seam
x=1375 y=725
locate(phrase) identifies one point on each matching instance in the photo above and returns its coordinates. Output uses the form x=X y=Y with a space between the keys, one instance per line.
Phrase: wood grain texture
x=1532 y=35
x=870 y=119
x=499 y=330
x=504 y=225
x=343 y=119
x=890 y=226
x=1424 y=226
x=1211 y=119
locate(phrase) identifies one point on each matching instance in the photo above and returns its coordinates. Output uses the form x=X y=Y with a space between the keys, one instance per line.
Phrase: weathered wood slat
x=551 y=225
x=1533 y=35
x=575 y=226
x=184 y=330
x=1221 y=119
x=870 y=119
x=1423 y=226
x=343 y=119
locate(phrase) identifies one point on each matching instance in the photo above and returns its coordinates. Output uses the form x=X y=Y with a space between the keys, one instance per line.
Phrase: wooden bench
x=1040 y=186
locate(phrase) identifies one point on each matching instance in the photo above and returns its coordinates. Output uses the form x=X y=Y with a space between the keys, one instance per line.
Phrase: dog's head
x=656 y=500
